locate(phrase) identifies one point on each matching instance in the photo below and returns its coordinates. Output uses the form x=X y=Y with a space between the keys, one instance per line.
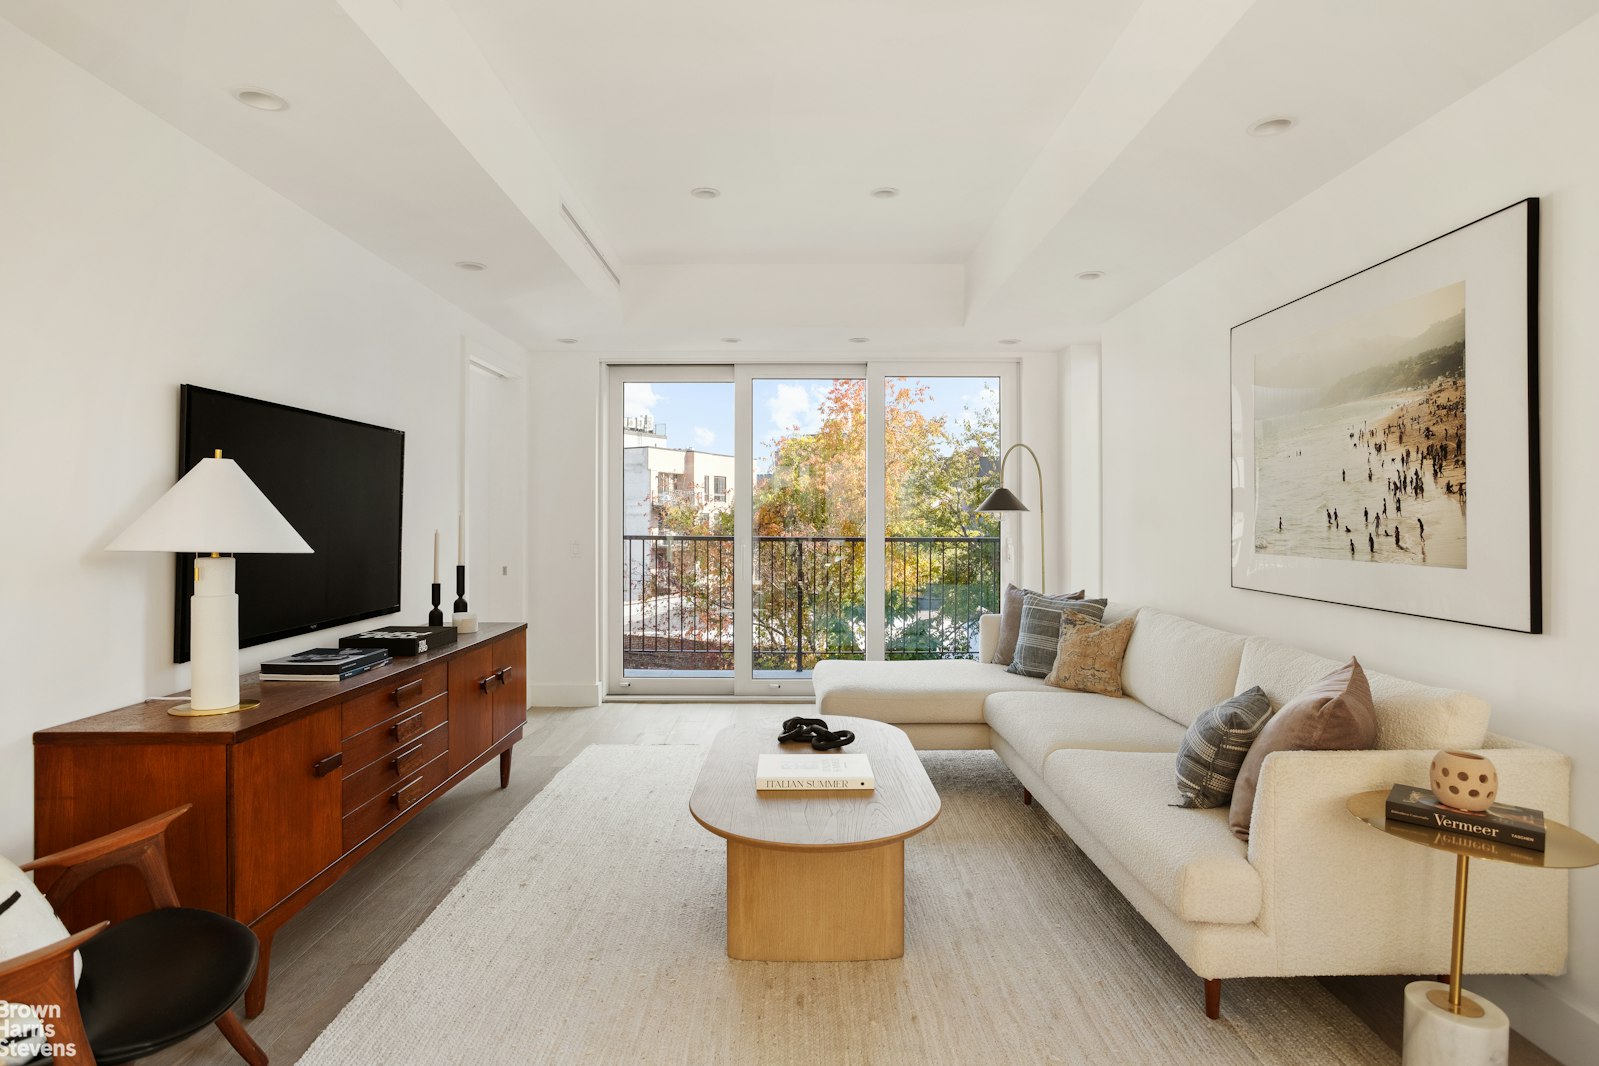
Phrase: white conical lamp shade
x=213 y=508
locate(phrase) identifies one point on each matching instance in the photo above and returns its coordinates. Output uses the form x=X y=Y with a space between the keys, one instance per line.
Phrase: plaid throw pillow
x=1214 y=747
x=1039 y=636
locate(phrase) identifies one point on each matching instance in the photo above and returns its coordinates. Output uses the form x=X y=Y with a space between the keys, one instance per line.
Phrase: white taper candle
x=435 y=557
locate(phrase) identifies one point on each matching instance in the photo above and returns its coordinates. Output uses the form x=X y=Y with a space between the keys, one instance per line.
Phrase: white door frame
x=476 y=356
x=743 y=374
x=616 y=683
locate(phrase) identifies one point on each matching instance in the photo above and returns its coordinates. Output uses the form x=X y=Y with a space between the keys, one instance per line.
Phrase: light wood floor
x=326 y=953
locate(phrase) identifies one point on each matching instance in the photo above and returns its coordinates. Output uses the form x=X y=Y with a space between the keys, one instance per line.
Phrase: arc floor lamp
x=1003 y=499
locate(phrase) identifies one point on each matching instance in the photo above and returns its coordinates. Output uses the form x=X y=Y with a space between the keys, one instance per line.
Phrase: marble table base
x=1436 y=1037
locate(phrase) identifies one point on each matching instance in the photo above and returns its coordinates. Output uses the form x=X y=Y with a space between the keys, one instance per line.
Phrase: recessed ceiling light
x=1010 y=340
x=471 y=264
x=859 y=340
x=731 y=340
x=260 y=99
x=1090 y=275
x=705 y=192
x=566 y=340
x=1271 y=127
x=884 y=192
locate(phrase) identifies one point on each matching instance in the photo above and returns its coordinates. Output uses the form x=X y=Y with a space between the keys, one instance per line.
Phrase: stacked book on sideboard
x=323 y=664
x=1502 y=823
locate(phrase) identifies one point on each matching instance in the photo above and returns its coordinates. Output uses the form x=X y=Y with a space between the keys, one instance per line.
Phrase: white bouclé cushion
x=1187 y=859
x=1038 y=724
x=1409 y=716
x=29 y=923
x=942 y=691
x=1180 y=668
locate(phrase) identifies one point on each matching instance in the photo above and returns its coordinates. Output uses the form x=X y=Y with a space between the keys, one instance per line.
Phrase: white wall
x=133 y=260
x=568 y=424
x=1166 y=442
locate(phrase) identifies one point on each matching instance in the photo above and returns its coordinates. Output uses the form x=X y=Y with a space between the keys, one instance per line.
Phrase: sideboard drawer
x=394 y=801
x=401 y=764
x=399 y=730
x=402 y=693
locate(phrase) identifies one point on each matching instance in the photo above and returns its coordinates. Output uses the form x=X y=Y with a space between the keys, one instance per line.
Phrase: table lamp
x=213 y=508
x=1003 y=499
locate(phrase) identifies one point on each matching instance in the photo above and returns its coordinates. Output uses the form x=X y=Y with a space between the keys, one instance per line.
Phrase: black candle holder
x=436 y=616
x=460 y=589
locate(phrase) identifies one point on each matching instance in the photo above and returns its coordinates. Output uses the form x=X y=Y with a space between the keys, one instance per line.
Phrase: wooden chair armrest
x=44 y=980
x=142 y=846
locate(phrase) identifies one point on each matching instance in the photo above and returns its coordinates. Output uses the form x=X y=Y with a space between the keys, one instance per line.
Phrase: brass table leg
x=1452 y=1000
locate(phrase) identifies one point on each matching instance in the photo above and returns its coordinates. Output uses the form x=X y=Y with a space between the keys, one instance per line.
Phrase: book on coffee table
x=851 y=773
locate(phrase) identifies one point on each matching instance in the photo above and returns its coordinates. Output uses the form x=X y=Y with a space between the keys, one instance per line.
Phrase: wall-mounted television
x=338 y=482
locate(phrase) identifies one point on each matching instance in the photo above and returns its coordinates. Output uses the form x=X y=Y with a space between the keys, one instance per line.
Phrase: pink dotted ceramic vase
x=1463 y=780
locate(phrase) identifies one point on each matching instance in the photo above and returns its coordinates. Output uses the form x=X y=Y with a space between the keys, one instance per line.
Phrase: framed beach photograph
x=1358 y=411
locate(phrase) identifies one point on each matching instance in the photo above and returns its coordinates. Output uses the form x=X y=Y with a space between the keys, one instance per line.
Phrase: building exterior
x=657 y=480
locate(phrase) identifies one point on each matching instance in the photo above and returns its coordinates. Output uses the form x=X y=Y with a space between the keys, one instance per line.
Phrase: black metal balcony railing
x=809 y=597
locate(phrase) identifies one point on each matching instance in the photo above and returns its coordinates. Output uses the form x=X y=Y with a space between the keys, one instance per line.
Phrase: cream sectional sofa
x=1313 y=891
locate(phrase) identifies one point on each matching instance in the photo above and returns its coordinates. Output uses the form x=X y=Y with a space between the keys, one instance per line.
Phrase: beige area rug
x=593 y=931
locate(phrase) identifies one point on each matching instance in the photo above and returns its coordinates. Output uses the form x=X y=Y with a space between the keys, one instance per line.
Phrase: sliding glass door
x=765 y=517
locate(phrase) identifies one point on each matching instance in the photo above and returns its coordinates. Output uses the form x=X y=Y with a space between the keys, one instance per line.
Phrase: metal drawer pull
x=406 y=728
x=324 y=767
x=401 y=693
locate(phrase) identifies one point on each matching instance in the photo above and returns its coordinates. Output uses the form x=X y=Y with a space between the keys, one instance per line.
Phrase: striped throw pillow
x=1039 y=635
x=1214 y=747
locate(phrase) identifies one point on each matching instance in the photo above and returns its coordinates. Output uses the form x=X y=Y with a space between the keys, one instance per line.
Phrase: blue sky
x=699 y=415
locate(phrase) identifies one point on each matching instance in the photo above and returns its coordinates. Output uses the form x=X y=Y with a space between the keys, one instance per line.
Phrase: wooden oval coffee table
x=814 y=876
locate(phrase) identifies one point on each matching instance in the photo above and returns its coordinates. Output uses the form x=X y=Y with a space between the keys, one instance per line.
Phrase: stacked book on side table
x=1501 y=823
x=323 y=664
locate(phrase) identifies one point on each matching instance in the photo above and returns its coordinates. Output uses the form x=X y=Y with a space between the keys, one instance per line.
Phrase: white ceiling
x=1030 y=139
x=796 y=111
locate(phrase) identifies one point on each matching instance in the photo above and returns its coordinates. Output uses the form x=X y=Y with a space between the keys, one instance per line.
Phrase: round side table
x=1443 y=1025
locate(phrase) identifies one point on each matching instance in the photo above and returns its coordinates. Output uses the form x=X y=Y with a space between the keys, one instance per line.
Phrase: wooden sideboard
x=288 y=796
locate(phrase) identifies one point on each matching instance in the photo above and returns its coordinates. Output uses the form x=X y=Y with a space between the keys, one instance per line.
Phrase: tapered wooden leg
x=242 y=1042
x=255 y=995
x=505 y=768
x=1027 y=798
x=1213 y=997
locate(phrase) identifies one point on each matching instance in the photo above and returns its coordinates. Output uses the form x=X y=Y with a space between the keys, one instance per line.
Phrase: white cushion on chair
x=28 y=924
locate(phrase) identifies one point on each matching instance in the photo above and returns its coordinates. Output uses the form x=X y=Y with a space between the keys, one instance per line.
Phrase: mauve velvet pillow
x=1010 y=621
x=1334 y=714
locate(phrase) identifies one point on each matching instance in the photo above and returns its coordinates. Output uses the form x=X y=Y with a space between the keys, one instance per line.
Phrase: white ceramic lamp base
x=1434 y=1036
x=213 y=640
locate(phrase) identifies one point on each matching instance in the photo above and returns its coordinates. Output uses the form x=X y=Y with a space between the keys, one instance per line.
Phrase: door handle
x=407 y=761
x=406 y=728
x=483 y=683
x=324 y=767
x=504 y=674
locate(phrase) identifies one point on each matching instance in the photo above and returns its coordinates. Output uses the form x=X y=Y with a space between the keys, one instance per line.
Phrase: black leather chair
x=148 y=982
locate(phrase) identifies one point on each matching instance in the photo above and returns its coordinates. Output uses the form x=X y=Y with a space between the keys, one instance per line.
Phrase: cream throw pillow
x=1089 y=657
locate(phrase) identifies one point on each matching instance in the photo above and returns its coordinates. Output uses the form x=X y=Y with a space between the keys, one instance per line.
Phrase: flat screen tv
x=338 y=482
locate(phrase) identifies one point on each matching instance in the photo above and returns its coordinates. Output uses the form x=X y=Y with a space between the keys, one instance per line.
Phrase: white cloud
x=792 y=405
x=703 y=438
x=638 y=398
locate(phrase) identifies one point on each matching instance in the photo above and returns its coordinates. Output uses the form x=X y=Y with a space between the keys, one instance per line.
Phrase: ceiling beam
x=426 y=42
x=1165 y=42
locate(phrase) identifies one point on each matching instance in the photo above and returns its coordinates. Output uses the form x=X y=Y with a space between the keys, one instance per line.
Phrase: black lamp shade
x=1002 y=499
